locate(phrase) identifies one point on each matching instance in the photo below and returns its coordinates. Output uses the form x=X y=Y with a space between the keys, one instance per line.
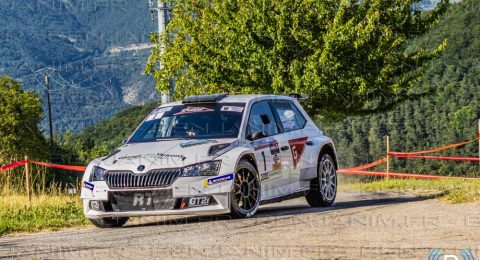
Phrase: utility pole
x=161 y=11
x=47 y=85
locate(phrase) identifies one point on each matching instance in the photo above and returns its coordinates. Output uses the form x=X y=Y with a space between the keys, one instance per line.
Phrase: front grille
x=152 y=179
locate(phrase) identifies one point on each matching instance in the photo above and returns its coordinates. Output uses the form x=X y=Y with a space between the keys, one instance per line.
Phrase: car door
x=263 y=130
x=294 y=138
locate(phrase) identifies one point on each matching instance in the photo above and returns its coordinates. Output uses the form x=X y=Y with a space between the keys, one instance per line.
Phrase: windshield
x=197 y=121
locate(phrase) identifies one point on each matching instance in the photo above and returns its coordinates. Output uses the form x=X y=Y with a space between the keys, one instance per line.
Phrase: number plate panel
x=197 y=201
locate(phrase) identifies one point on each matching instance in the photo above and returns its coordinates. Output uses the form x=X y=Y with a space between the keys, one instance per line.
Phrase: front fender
x=88 y=171
x=230 y=159
x=88 y=193
x=329 y=145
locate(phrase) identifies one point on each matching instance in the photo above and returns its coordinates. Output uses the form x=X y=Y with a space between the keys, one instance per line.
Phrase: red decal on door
x=297 y=146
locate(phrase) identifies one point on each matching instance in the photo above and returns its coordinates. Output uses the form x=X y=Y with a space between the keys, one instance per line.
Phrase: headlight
x=97 y=173
x=202 y=169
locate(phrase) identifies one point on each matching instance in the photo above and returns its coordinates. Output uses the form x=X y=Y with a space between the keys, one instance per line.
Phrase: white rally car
x=213 y=154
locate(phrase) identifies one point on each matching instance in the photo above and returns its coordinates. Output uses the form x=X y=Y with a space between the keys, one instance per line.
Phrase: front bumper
x=182 y=188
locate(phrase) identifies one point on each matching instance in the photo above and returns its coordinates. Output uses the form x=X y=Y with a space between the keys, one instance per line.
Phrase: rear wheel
x=109 y=222
x=245 y=195
x=323 y=189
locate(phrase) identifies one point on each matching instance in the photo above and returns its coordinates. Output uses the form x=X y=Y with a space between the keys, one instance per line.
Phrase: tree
x=447 y=116
x=351 y=56
x=20 y=113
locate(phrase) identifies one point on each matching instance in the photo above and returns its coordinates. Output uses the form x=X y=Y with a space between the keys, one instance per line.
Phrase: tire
x=109 y=222
x=246 y=191
x=323 y=189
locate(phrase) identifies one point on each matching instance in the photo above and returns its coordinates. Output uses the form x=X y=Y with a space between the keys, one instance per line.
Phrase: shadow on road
x=276 y=209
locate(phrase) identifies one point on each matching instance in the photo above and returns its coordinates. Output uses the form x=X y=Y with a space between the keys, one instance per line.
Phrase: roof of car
x=236 y=99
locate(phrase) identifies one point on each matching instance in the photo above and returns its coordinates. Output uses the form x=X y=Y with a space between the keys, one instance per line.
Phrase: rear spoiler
x=203 y=99
x=300 y=97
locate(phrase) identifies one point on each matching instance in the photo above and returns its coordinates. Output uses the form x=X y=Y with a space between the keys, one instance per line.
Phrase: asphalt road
x=358 y=226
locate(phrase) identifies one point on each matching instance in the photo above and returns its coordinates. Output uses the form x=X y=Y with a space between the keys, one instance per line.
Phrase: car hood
x=160 y=155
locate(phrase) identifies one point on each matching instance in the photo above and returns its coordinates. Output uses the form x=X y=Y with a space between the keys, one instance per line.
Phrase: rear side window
x=290 y=117
x=261 y=120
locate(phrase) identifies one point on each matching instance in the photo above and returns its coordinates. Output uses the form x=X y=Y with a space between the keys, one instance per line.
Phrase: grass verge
x=45 y=212
x=452 y=191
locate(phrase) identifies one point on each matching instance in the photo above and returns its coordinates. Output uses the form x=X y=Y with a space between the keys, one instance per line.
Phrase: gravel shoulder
x=360 y=225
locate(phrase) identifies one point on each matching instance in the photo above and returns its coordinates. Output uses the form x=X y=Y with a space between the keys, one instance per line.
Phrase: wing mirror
x=256 y=136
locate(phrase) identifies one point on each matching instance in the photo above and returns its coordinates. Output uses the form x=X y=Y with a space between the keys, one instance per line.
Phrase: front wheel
x=109 y=222
x=323 y=189
x=245 y=195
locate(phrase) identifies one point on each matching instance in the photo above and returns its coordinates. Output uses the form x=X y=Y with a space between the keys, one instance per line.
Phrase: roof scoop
x=204 y=99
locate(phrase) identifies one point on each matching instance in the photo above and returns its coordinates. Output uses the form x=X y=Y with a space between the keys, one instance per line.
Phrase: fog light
x=95 y=205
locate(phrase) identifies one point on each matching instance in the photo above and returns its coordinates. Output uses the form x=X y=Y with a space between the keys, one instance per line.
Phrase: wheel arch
x=250 y=157
x=329 y=149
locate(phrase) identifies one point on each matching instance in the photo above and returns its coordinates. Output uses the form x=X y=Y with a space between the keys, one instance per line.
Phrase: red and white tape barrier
x=360 y=170
x=50 y=165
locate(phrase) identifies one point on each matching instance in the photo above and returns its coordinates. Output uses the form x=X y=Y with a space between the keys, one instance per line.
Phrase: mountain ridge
x=97 y=48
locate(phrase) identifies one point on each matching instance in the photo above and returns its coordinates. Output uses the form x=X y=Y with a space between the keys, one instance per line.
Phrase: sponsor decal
x=141 y=201
x=88 y=185
x=274 y=174
x=275 y=151
x=150 y=117
x=264 y=176
x=146 y=199
x=189 y=110
x=196 y=142
x=271 y=175
x=258 y=145
x=232 y=109
x=158 y=113
x=218 y=179
x=154 y=156
x=297 y=146
x=195 y=202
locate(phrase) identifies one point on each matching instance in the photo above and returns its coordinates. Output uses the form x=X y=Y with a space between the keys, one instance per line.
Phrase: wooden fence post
x=44 y=177
x=27 y=179
x=388 y=157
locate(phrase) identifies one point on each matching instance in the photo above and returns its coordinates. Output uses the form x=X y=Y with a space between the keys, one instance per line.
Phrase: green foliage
x=45 y=212
x=453 y=191
x=20 y=113
x=350 y=56
x=104 y=137
x=447 y=116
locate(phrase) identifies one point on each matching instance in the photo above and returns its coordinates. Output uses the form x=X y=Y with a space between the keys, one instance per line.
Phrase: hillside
x=98 y=49
x=112 y=132
x=446 y=116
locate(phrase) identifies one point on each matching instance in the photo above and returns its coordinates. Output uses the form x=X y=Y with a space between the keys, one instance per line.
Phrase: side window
x=290 y=116
x=261 y=120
